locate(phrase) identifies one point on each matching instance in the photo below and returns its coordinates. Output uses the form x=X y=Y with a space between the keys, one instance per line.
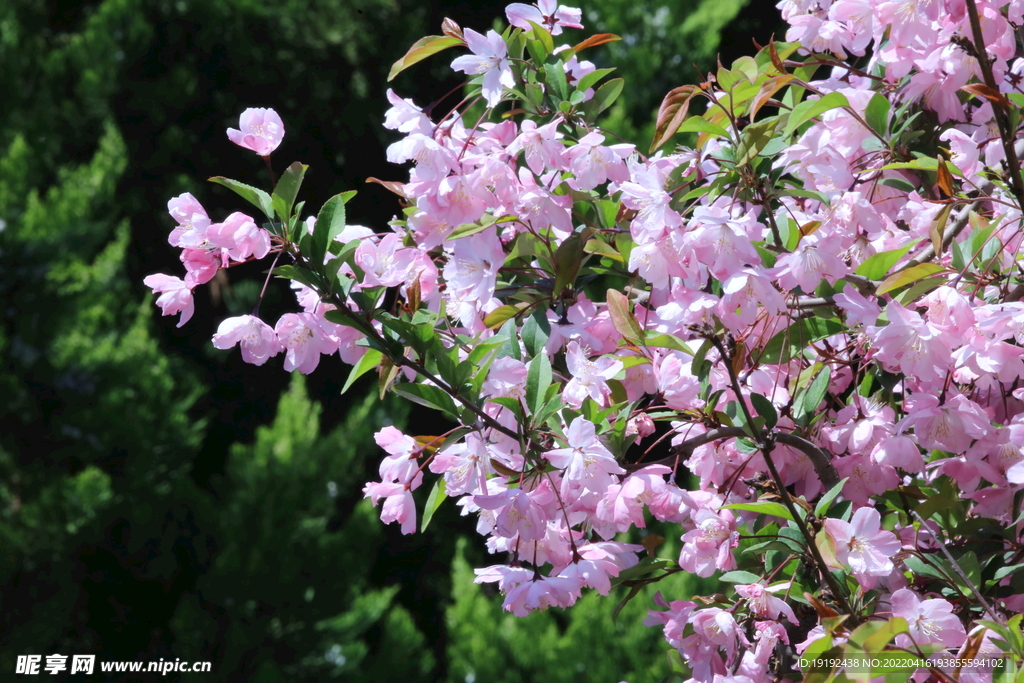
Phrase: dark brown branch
x=1006 y=134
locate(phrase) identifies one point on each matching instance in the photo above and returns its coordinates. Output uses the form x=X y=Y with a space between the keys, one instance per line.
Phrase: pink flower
x=398 y=504
x=863 y=546
x=489 y=59
x=763 y=603
x=541 y=146
x=257 y=339
x=930 y=621
x=526 y=592
x=304 y=338
x=192 y=222
x=709 y=546
x=586 y=460
x=546 y=13
x=201 y=265
x=589 y=377
x=594 y=163
x=262 y=130
x=240 y=236
x=175 y=296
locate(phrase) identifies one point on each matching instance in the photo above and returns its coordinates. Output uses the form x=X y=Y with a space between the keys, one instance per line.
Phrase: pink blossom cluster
x=826 y=343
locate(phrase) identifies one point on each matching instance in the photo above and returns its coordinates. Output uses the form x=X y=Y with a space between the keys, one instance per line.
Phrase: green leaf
x=536 y=331
x=568 y=259
x=437 y=496
x=790 y=342
x=739 y=577
x=604 y=97
x=467 y=229
x=920 y=164
x=763 y=507
x=329 y=224
x=255 y=196
x=429 y=396
x=420 y=50
x=873 y=636
x=298 y=274
x=623 y=320
x=288 y=189
x=369 y=361
x=501 y=314
x=908 y=276
x=753 y=140
x=592 y=78
x=1003 y=572
x=538 y=379
x=554 y=71
x=543 y=36
x=877 y=114
x=815 y=393
x=765 y=409
x=821 y=509
x=805 y=111
x=667 y=341
x=696 y=124
x=878 y=266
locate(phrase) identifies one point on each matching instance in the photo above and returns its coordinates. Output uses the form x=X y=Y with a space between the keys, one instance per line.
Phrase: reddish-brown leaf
x=672 y=113
x=774 y=54
x=393 y=185
x=595 y=40
x=651 y=543
x=945 y=179
x=982 y=90
x=823 y=610
x=451 y=29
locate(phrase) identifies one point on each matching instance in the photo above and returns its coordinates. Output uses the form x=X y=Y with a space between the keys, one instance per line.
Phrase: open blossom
x=490 y=59
x=527 y=592
x=930 y=621
x=763 y=603
x=192 y=222
x=304 y=338
x=594 y=163
x=399 y=505
x=586 y=460
x=546 y=13
x=240 y=236
x=863 y=546
x=175 y=296
x=709 y=546
x=257 y=339
x=261 y=131
x=589 y=377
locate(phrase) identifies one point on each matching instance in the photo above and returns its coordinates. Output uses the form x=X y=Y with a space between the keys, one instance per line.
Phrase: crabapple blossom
x=192 y=222
x=304 y=338
x=488 y=58
x=589 y=377
x=257 y=339
x=812 y=304
x=930 y=621
x=175 y=296
x=862 y=545
x=261 y=131
x=546 y=13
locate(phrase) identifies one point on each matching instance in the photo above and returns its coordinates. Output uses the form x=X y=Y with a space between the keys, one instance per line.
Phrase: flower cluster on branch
x=814 y=310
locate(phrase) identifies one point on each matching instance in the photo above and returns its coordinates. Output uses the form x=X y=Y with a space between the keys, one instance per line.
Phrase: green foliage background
x=159 y=498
